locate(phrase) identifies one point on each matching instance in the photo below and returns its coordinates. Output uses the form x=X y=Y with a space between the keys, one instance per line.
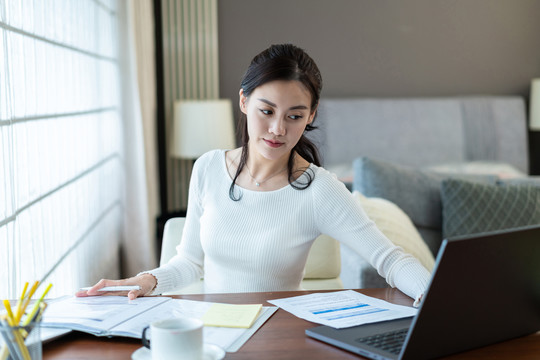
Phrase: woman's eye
x=266 y=112
x=295 y=117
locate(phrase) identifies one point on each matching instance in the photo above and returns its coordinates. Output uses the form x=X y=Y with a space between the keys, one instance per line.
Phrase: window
x=61 y=143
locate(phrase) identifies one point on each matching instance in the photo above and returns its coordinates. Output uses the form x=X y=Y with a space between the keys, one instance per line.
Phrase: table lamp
x=534 y=127
x=534 y=109
x=200 y=126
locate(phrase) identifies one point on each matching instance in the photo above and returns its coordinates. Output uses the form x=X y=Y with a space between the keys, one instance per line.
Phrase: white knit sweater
x=261 y=242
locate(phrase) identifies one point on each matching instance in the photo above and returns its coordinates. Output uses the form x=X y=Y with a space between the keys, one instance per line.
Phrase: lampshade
x=200 y=126
x=534 y=110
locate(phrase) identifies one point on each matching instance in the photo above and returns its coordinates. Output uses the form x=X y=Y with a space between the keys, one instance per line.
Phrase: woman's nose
x=277 y=127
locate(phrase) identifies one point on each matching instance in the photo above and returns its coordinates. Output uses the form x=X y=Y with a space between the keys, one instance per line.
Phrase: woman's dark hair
x=282 y=62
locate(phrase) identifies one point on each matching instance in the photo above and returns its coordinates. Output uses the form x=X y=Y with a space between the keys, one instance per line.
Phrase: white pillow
x=501 y=170
x=397 y=226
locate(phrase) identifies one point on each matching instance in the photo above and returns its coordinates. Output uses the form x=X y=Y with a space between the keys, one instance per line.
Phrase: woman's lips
x=273 y=144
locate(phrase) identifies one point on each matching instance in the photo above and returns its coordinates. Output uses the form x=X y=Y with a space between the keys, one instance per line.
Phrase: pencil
x=29 y=296
x=10 y=318
x=16 y=334
x=18 y=310
x=15 y=337
x=32 y=313
x=10 y=347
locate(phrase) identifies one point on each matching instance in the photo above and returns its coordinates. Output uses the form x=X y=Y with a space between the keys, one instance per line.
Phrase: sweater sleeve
x=340 y=216
x=186 y=266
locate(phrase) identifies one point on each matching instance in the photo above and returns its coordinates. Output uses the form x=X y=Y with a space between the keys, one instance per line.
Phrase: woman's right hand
x=146 y=282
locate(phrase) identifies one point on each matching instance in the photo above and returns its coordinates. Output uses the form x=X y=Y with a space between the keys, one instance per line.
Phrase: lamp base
x=534 y=152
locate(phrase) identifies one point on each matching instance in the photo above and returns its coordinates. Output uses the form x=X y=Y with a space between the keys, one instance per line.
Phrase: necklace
x=257 y=182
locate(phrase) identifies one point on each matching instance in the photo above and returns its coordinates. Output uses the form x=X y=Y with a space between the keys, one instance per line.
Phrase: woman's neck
x=262 y=168
x=258 y=173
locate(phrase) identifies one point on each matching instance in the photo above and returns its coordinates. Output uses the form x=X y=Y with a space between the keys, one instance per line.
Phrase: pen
x=115 y=288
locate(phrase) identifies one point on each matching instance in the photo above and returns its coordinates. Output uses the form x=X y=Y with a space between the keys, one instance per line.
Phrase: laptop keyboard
x=391 y=341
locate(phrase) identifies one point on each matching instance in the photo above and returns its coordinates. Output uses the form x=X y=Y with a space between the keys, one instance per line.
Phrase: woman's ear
x=243 y=100
x=312 y=115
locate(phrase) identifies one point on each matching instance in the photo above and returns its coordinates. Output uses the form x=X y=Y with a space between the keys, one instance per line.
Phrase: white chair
x=321 y=273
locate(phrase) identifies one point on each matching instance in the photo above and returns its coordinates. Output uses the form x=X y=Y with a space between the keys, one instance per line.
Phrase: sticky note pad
x=229 y=315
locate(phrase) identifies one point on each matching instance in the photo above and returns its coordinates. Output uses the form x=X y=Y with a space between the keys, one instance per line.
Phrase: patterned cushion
x=470 y=208
x=415 y=191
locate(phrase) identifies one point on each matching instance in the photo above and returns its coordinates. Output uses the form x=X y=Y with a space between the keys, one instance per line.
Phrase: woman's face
x=277 y=114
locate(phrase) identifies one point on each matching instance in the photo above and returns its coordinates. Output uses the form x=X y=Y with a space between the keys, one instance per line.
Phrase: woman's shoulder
x=211 y=158
x=322 y=174
x=326 y=181
x=209 y=162
x=211 y=155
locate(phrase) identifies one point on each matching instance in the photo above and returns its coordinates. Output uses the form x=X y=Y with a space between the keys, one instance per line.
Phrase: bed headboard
x=424 y=131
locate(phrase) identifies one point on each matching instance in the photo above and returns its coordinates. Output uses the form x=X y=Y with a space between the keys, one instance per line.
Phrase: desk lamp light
x=534 y=127
x=534 y=110
x=200 y=126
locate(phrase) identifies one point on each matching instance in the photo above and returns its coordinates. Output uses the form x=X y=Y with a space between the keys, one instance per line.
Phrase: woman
x=254 y=212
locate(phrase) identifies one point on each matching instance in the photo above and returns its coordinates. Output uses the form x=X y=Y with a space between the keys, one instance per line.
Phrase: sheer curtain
x=63 y=173
x=139 y=100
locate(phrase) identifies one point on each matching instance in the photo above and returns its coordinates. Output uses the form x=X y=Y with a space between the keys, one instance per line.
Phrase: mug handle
x=145 y=341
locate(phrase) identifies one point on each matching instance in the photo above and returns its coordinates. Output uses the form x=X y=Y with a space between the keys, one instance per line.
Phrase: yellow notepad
x=229 y=315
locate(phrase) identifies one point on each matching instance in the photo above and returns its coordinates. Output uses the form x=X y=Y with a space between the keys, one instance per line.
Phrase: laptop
x=484 y=289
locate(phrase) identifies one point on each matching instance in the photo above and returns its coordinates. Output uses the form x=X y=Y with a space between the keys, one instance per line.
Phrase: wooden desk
x=281 y=337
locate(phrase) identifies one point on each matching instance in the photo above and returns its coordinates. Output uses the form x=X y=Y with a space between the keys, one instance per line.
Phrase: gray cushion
x=470 y=208
x=415 y=191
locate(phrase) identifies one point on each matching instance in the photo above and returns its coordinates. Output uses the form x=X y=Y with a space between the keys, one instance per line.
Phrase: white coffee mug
x=177 y=338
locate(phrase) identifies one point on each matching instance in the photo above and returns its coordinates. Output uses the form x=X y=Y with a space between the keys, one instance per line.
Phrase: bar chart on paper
x=342 y=309
x=348 y=311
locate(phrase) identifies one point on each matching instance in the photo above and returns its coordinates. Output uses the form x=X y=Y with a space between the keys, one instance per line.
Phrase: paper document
x=97 y=315
x=231 y=315
x=342 y=309
x=118 y=316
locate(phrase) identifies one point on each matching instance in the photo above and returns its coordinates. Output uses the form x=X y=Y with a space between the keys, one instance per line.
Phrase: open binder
x=119 y=316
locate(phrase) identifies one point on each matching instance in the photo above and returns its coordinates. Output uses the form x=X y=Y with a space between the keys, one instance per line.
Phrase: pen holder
x=20 y=342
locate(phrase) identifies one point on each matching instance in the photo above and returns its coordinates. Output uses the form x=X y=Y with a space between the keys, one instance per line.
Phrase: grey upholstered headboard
x=424 y=131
